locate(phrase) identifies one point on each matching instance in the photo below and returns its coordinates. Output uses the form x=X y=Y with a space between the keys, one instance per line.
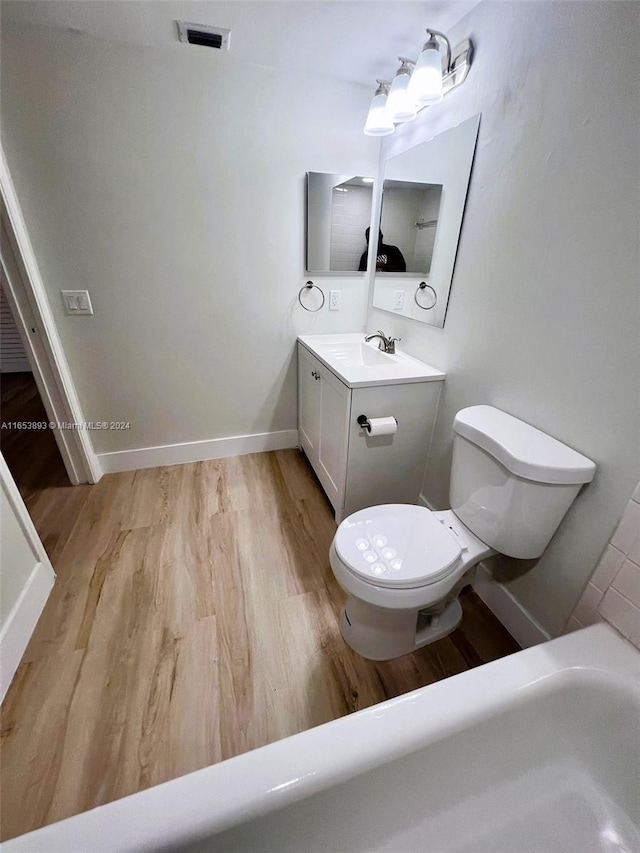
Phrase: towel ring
x=419 y=289
x=310 y=286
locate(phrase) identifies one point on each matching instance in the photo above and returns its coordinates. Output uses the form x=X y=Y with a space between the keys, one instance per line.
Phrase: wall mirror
x=409 y=219
x=338 y=214
x=423 y=200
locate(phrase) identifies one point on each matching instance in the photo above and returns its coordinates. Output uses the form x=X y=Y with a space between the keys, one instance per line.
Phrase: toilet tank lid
x=522 y=449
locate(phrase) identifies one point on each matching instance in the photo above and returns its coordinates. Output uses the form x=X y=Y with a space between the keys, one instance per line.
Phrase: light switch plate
x=76 y=302
x=398 y=300
x=334 y=300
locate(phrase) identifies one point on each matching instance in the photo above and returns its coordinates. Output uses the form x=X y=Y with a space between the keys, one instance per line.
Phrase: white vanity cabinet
x=356 y=469
x=323 y=423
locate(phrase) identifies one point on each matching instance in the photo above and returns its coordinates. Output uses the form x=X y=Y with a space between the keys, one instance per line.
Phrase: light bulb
x=378 y=122
x=400 y=104
x=426 y=81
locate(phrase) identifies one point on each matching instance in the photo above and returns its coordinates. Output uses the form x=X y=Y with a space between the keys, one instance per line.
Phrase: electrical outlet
x=398 y=300
x=334 y=300
x=76 y=302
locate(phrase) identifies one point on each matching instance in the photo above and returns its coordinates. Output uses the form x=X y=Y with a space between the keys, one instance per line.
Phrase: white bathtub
x=537 y=752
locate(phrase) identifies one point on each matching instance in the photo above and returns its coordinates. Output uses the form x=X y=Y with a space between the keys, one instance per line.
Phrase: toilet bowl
x=399 y=565
x=403 y=566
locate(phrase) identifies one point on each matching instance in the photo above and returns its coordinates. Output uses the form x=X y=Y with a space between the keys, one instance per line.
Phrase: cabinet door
x=389 y=468
x=308 y=404
x=335 y=408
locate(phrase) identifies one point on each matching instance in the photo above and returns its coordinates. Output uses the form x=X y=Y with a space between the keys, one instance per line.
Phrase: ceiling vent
x=216 y=37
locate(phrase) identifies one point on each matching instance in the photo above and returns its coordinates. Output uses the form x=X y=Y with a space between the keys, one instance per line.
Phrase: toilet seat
x=397 y=546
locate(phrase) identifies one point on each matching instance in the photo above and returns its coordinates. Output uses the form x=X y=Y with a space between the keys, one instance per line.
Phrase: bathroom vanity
x=340 y=379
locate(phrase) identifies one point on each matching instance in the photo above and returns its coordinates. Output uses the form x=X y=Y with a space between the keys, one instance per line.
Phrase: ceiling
x=354 y=40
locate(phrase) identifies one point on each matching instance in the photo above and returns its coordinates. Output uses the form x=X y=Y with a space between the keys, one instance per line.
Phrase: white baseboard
x=522 y=626
x=20 y=624
x=196 y=451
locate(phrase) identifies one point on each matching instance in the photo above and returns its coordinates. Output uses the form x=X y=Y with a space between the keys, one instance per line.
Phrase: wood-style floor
x=195 y=617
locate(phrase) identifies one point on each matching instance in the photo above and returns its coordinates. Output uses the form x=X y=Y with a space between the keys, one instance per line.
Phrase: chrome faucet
x=385 y=344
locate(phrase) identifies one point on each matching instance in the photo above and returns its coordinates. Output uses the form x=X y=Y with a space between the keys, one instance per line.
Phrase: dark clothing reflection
x=388 y=258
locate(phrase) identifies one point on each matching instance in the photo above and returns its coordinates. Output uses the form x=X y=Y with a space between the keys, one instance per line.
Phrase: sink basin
x=360 y=365
x=356 y=354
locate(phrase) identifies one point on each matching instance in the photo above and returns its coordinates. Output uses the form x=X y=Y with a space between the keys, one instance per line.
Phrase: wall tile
x=634 y=551
x=607 y=568
x=622 y=614
x=573 y=625
x=627 y=531
x=350 y=216
x=627 y=582
x=585 y=609
x=613 y=592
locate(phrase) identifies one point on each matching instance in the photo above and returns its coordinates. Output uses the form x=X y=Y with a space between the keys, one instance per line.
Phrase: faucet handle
x=391 y=345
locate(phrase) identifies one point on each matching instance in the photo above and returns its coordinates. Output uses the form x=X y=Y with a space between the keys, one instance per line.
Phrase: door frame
x=29 y=304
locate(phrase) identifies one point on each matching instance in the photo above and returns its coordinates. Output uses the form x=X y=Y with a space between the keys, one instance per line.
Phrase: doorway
x=38 y=389
x=27 y=298
x=26 y=440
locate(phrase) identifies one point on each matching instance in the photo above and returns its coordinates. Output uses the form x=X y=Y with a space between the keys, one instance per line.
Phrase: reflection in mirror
x=338 y=213
x=409 y=220
x=424 y=220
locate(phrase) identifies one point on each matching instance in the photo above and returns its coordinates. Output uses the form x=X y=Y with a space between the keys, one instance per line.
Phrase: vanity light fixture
x=426 y=81
x=419 y=83
x=379 y=122
x=400 y=104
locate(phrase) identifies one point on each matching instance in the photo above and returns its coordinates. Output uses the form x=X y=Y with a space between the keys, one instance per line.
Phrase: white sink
x=356 y=355
x=359 y=364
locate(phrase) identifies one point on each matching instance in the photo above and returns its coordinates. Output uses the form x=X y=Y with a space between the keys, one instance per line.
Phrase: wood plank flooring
x=195 y=617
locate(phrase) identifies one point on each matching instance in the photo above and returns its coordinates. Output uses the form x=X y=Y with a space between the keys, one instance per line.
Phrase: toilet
x=403 y=567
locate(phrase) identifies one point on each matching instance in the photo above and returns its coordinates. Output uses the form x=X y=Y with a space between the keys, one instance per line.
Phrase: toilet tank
x=512 y=484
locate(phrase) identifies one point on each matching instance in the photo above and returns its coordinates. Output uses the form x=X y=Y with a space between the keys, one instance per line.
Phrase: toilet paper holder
x=363 y=421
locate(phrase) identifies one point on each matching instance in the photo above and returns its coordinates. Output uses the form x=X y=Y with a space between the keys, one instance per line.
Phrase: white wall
x=543 y=317
x=426 y=236
x=400 y=210
x=170 y=183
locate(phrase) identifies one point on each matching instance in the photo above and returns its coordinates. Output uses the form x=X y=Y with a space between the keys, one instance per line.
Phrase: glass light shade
x=400 y=104
x=426 y=81
x=378 y=122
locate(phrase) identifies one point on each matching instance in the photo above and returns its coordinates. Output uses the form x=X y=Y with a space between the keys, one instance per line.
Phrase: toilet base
x=378 y=633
